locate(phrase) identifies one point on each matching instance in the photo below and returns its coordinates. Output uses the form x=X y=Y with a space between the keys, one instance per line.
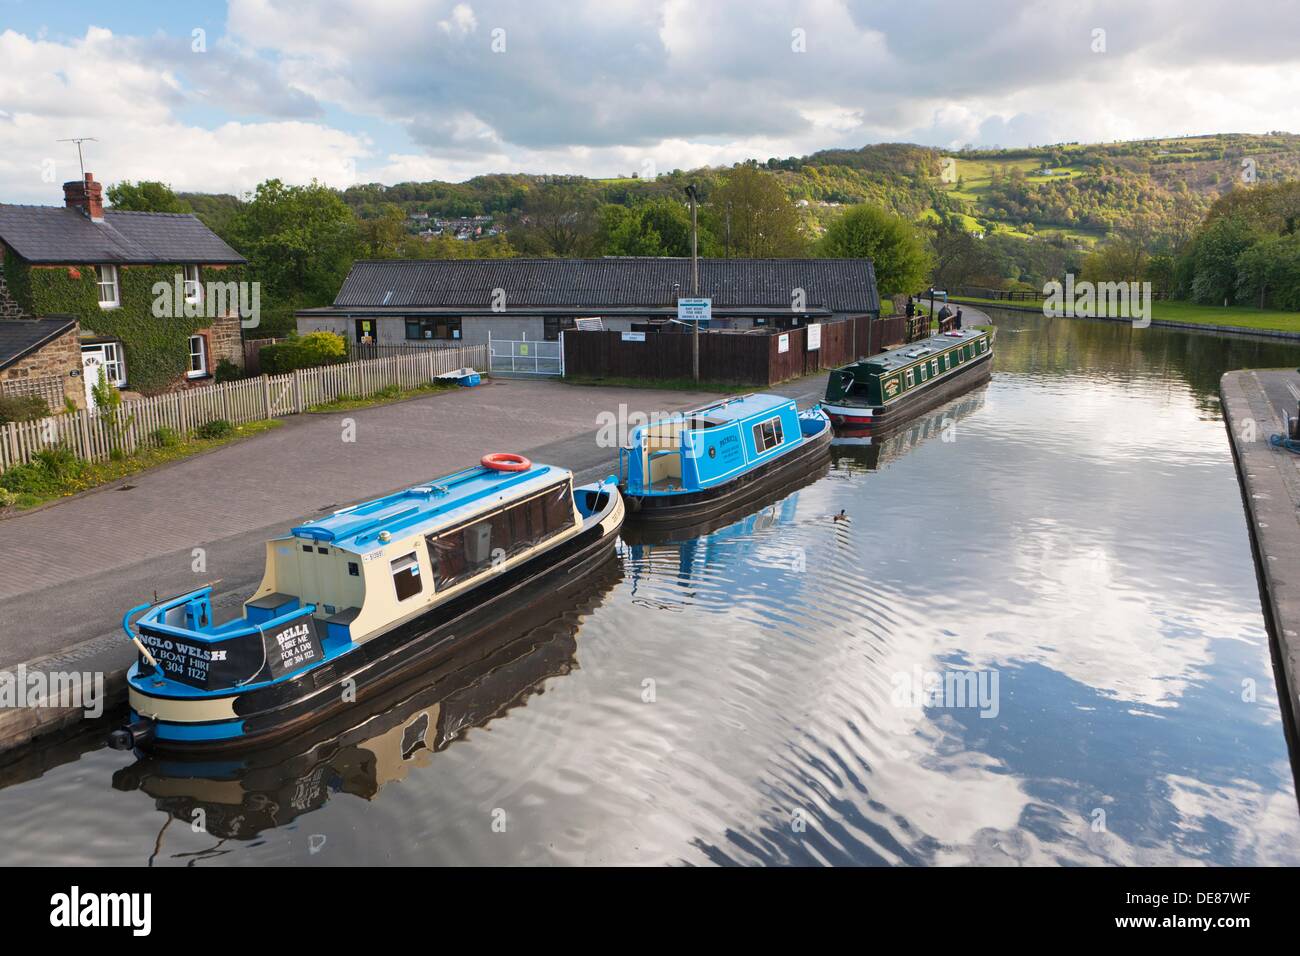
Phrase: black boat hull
x=701 y=506
x=877 y=420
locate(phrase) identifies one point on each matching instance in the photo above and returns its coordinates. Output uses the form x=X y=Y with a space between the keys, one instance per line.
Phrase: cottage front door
x=92 y=360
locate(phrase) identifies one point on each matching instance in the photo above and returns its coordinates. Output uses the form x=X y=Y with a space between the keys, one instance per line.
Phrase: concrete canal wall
x=1253 y=403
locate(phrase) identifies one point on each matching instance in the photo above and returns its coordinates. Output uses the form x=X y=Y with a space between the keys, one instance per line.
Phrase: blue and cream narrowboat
x=352 y=602
x=882 y=391
x=244 y=793
x=696 y=464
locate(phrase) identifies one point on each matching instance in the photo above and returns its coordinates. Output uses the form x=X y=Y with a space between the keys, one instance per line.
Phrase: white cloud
x=96 y=86
x=614 y=85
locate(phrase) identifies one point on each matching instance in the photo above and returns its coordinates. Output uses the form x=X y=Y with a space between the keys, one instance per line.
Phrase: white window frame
x=201 y=354
x=109 y=271
x=192 y=285
x=114 y=363
x=114 y=360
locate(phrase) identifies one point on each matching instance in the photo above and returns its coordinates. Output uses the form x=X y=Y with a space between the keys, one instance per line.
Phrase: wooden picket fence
x=94 y=436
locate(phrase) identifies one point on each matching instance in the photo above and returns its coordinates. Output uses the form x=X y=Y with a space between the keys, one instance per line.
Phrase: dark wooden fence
x=746 y=358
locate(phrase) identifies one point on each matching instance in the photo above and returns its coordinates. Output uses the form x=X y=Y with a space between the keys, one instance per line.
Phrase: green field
x=1190 y=312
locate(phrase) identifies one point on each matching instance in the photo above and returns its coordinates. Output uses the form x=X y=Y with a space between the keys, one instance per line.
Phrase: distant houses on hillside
x=464 y=228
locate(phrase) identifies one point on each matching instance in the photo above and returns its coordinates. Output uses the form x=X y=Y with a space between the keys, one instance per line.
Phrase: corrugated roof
x=20 y=337
x=57 y=234
x=841 y=285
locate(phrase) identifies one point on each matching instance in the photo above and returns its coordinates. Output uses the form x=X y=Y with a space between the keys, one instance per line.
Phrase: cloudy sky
x=218 y=96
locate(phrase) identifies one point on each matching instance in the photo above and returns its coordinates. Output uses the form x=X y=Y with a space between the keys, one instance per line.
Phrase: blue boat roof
x=735 y=409
x=433 y=504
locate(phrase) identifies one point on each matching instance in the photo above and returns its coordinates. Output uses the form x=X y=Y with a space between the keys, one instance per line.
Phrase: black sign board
x=292 y=645
x=240 y=660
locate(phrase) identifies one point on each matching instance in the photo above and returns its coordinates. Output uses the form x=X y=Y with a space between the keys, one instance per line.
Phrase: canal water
x=1034 y=636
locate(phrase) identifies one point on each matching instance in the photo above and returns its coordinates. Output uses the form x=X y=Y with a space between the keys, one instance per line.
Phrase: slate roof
x=57 y=234
x=839 y=285
x=20 y=337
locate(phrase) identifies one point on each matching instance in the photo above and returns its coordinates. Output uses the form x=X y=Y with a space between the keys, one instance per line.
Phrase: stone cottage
x=152 y=298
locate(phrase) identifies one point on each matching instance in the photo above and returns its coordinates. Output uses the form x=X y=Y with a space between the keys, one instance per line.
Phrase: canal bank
x=72 y=568
x=1155 y=323
x=1254 y=404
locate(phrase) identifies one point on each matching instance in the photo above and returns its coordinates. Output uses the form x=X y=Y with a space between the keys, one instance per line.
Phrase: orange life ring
x=505 y=461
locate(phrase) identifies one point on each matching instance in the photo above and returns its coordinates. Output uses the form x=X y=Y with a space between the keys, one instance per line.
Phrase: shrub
x=7 y=498
x=227 y=371
x=22 y=408
x=47 y=474
x=165 y=437
x=304 y=351
x=59 y=461
x=217 y=428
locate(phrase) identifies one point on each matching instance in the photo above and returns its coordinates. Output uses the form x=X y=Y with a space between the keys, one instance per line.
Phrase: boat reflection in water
x=871 y=453
x=693 y=555
x=359 y=754
x=743 y=520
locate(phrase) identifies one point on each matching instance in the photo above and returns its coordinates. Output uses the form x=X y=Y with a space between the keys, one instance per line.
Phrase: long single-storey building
x=462 y=301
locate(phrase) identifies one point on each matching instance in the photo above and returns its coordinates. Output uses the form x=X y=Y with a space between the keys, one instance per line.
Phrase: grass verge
x=58 y=474
x=1235 y=316
x=384 y=396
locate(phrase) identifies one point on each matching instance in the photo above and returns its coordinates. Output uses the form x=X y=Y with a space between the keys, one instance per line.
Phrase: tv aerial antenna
x=79 y=140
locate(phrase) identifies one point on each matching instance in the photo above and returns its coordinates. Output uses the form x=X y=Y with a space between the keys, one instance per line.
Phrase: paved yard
x=67 y=573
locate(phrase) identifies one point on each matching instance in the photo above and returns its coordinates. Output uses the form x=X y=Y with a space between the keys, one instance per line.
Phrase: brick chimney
x=87 y=196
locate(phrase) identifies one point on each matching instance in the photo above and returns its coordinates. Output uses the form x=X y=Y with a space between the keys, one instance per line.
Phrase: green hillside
x=1077 y=193
x=1206 y=219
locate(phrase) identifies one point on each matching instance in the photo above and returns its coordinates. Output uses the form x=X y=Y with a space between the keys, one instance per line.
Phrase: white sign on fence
x=783 y=343
x=814 y=336
x=695 y=310
x=633 y=336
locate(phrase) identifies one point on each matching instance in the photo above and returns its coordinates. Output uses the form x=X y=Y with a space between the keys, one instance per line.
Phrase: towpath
x=1254 y=402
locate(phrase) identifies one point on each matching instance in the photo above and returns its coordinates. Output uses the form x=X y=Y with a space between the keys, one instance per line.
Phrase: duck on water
x=696 y=464
x=352 y=602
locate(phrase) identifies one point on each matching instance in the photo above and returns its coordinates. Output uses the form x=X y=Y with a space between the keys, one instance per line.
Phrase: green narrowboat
x=873 y=393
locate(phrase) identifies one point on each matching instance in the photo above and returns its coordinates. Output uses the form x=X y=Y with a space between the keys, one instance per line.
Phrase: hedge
x=304 y=351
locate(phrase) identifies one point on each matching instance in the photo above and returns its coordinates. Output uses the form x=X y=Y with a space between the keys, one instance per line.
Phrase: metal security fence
x=526 y=356
x=95 y=434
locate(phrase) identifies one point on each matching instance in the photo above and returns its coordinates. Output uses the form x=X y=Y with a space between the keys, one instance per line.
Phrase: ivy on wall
x=157 y=349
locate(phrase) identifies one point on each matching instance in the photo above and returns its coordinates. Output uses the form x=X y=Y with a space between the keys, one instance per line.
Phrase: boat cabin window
x=907 y=378
x=767 y=434
x=406 y=576
x=472 y=548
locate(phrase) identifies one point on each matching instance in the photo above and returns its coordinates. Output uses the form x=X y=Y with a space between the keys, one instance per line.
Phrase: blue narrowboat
x=697 y=464
x=350 y=603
